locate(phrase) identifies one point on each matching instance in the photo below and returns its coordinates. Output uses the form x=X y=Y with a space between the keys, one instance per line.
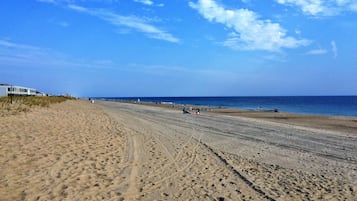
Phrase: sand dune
x=115 y=151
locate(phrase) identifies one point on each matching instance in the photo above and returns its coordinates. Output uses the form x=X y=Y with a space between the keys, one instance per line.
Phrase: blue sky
x=180 y=47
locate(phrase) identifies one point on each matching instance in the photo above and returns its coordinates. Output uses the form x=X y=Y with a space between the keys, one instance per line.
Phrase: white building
x=6 y=90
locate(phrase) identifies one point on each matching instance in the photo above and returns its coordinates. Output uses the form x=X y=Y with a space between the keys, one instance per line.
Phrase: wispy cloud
x=334 y=49
x=61 y=23
x=317 y=52
x=149 y=3
x=321 y=7
x=21 y=53
x=353 y=6
x=47 y=1
x=132 y=22
x=11 y=45
x=146 y=2
x=28 y=56
x=74 y=1
x=176 y=70
x=276 y=58
x=17 y=53
x=249 y=31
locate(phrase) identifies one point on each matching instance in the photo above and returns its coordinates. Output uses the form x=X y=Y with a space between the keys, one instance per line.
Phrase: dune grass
x=26 y=103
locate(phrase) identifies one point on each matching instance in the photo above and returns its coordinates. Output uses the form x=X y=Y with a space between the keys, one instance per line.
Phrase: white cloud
x=133 y=22
x=334 y=49
x=149 y=3
x=311 y=7
x=321 y=7
x=146 y=2
x=317 y=52
x=353 y=6
x=249 y=32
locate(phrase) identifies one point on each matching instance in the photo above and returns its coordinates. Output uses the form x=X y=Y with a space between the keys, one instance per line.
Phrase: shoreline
x=217 y=108
x=304 y=105
x=344 y=124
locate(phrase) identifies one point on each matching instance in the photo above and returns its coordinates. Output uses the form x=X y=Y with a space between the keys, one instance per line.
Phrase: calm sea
x=322 y=105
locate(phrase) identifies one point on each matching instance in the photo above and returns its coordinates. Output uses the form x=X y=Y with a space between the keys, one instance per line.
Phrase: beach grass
x=16 y=104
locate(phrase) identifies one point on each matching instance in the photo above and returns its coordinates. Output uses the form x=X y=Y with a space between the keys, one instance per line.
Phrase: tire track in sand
x=199 y=142
x=142 y=125
x=132 y=192
x=239 y=174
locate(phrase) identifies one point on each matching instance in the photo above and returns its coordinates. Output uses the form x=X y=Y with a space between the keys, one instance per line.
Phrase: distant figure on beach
x=198 y=111
x=184 y=111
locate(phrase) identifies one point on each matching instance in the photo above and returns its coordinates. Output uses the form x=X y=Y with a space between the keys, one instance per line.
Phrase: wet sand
x=118 y=151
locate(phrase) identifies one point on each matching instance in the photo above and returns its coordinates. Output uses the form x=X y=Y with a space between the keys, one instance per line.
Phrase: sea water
x=321 y=105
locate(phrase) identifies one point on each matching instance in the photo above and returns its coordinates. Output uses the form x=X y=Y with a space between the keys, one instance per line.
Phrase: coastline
x=306 y=105
x=119 y=151
x=344 y=124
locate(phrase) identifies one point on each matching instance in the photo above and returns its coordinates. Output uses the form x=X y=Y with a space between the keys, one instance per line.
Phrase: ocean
x=320 y=105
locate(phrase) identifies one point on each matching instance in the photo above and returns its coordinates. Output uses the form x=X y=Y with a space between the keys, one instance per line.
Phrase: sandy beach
x=120 y=151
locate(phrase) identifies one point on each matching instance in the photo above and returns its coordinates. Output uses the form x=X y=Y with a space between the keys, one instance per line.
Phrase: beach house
x=8 y=90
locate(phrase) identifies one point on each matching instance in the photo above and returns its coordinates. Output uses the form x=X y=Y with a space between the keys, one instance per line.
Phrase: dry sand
x=118 y=151
x=69 y=151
